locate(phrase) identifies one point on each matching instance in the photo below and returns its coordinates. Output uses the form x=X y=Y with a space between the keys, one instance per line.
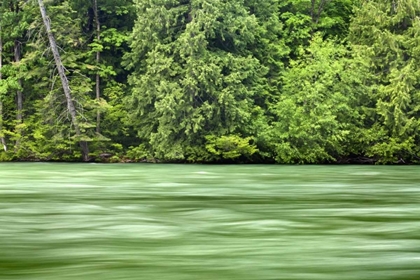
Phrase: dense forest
x=274 y=81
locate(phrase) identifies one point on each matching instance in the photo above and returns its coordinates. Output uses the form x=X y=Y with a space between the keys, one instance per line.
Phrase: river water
x=176 y=222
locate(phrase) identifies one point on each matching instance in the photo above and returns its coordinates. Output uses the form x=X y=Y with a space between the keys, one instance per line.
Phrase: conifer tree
x=386 y=33
x=2 y=139
x=195 y=76
x=65 y=83
x=319 y=113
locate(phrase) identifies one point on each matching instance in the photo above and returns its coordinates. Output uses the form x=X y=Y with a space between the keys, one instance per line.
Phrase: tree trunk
x=2 y=140
x=98 y=57
x=317 y=11
x=17 y=53
x=19 y=94
x=64 y=81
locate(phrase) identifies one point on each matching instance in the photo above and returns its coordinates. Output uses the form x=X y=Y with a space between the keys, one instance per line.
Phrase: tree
x=14 y=26
x=194 y=76
x=386 y=33
x=319 y=114
x=65 y=83
x=2 y=139
x=106 y=25
x=304 y=18
x=98 y=58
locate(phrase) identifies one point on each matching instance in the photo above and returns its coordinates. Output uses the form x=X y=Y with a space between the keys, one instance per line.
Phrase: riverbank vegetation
x=293 y=81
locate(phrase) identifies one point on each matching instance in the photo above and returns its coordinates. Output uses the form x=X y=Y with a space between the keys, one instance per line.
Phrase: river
x=192 y=222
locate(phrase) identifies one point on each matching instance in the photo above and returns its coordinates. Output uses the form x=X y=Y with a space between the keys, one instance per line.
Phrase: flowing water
x=176 y=222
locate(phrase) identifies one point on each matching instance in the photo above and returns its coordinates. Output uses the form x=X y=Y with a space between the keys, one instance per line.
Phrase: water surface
x=176 y=222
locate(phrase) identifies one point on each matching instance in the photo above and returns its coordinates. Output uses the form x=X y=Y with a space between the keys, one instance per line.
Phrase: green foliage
x=316 y=111
x=386 y=34
x=295 y=81
x=139 y=153
x=230 y=147
x=193 y=74
x=304 y=18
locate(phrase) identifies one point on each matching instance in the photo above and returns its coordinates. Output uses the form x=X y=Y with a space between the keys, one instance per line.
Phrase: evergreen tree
x=386 y=33
x=195 y=78
x=199 y=80
x=318 y=112
x=14 y=21
x=2 y=138
x=49 y=129
x=304 y=18
x=113 y=21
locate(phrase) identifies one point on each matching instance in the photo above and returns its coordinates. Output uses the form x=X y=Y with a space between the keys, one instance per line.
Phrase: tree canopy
x=296 y=81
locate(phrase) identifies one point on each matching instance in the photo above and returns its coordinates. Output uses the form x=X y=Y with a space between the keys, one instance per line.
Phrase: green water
x=173 y=222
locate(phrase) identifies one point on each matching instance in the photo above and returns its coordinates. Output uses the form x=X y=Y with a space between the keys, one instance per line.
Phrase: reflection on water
x=93 y=221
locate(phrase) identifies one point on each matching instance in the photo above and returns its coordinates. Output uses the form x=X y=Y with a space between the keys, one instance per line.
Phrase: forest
x=210 y=81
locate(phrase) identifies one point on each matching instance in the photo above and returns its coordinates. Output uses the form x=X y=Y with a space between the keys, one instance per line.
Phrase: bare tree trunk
x=64 y=81
x=98 y=57
x=2 y=140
